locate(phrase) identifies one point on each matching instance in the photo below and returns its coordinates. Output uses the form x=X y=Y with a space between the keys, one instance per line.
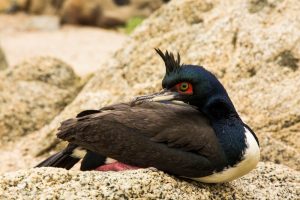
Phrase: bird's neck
x=228 y=127
x=231 y=135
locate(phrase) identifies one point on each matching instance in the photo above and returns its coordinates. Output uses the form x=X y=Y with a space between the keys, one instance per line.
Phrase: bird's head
x=194 y=85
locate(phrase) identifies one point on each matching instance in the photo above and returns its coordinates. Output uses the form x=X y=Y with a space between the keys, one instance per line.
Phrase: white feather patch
x=110 y=160
x=78 y=153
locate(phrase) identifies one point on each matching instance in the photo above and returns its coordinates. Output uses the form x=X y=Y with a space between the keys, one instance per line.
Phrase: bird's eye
x=184 y=87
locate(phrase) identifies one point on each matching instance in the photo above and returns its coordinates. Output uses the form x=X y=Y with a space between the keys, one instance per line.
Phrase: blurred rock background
x=103 y=13
x=252 y=46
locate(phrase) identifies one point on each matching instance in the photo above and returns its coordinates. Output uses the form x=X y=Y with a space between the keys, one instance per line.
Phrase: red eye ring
x=184 y=88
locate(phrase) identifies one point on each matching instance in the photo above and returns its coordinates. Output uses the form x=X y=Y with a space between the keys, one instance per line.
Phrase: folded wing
x=173 y=138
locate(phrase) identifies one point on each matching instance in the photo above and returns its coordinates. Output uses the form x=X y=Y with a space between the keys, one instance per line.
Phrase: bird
x=189 y=129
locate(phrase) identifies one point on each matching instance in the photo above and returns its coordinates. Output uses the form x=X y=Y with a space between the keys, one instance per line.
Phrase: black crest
x=171 y=63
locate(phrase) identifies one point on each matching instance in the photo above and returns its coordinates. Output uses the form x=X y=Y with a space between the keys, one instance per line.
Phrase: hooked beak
x=164 y=95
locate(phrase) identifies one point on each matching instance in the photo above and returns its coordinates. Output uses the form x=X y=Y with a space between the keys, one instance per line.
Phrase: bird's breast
x=251 y=156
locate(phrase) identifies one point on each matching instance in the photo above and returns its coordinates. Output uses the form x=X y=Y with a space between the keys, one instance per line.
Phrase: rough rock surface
x=268 y=181
x=3 y=62
x=253 y=48
x=32 y=93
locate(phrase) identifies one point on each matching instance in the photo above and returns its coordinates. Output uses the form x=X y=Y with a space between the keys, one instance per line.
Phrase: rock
x=45 y=23
x=45 y=7
x=4 y=5
x=32 y=93
x=9 y=6
x=278 y=151
x=254 y=54
x=81 y=12
x=106 y=13
x=3 y=62
x=268 y=181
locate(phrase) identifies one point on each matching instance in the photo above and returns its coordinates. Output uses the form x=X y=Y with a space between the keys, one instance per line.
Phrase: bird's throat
x=231 y=135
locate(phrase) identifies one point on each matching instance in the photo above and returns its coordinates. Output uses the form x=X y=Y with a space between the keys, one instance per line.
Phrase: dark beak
x=164 y=95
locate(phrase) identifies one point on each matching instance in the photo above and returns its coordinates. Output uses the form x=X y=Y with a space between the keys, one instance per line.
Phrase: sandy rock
x=106 y=13
x=278 y=151
x=254 y=52
x=84 y=48
x=3 y=62
x=32 y=93
x=43 y=22
x=81 y=12
x=8 y=6
x=4 y=5
x=45 y=7
x=268 y=181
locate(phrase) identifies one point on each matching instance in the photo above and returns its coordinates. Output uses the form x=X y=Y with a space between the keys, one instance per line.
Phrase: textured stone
x=255 y=55
x=278 y=151
x=32 y=93
x=268 y=181
x=3 y=62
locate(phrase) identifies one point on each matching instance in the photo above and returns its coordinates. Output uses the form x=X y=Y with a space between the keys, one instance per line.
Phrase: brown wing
x=173 y=138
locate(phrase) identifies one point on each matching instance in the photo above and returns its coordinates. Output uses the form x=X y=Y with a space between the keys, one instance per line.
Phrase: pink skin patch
x=116 y=166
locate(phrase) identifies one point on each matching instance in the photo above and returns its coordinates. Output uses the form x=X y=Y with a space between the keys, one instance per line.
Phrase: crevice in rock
x=251 y=72
x=235 y=38
x=287 y=59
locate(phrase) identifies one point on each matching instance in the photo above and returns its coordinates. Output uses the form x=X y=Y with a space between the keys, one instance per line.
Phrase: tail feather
x=61 y=159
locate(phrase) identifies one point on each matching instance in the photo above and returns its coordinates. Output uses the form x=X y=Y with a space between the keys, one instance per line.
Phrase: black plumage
x=141 y=134
x=61 y=159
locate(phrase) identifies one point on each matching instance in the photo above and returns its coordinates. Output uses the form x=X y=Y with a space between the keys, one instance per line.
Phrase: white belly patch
x=250 y=159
